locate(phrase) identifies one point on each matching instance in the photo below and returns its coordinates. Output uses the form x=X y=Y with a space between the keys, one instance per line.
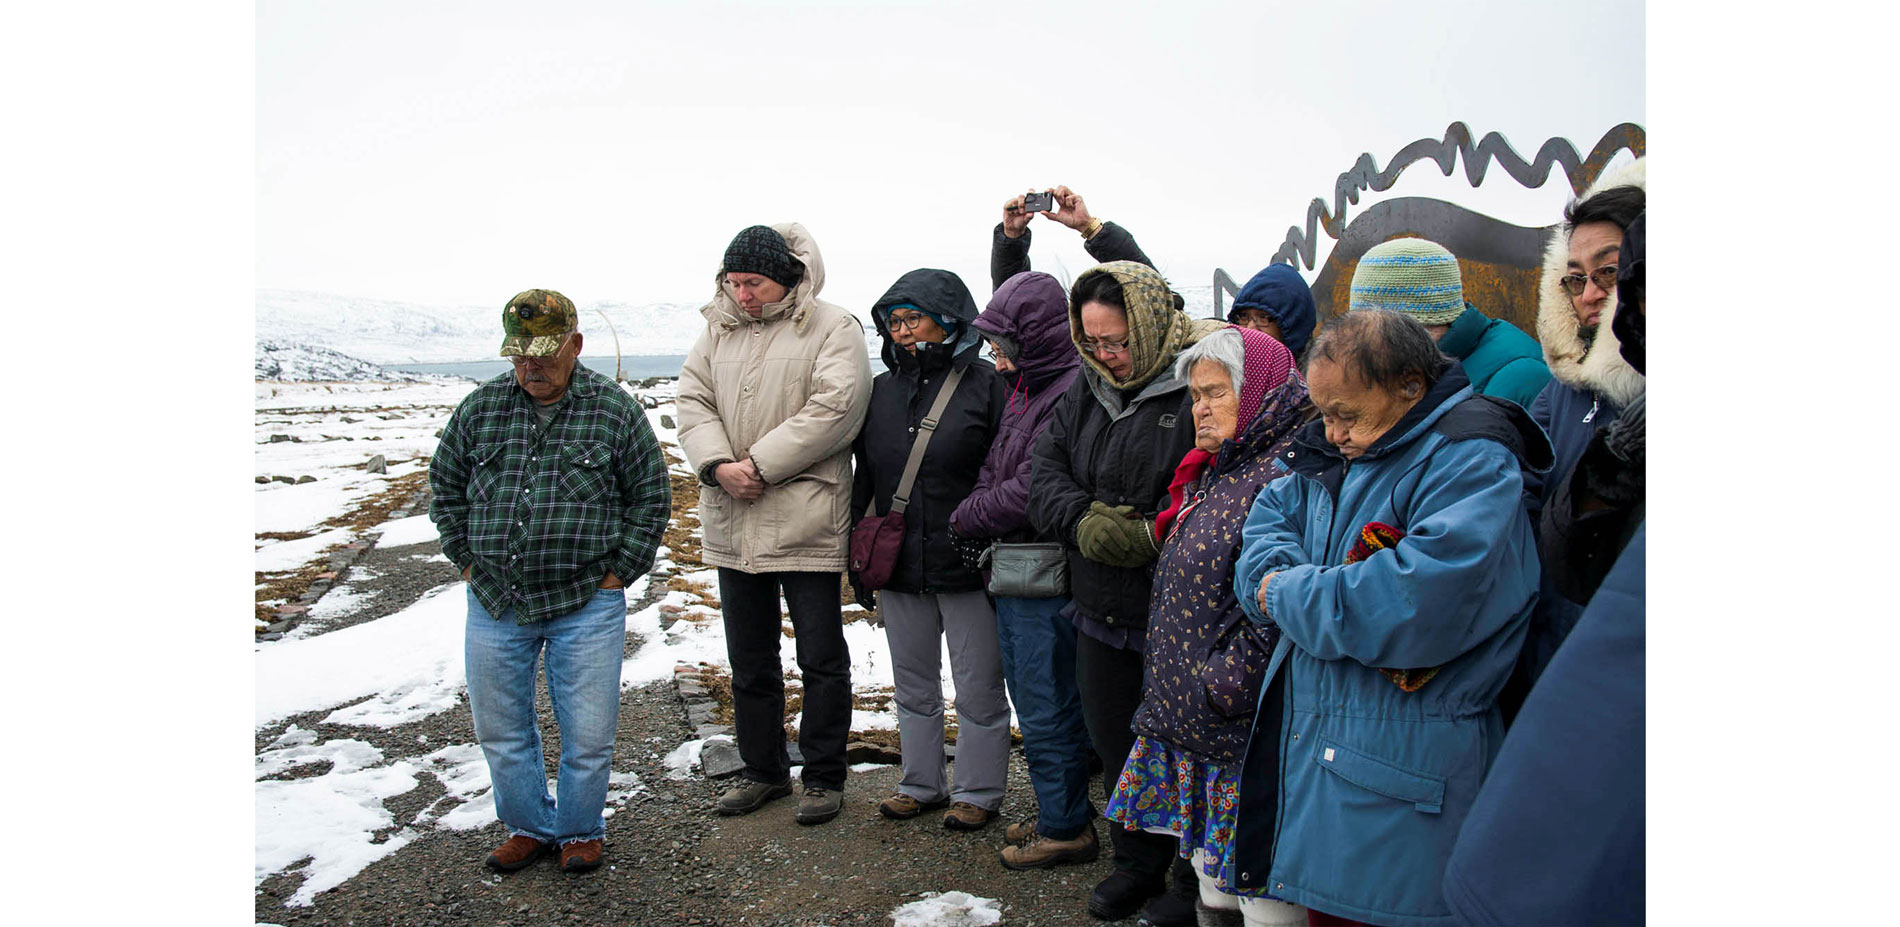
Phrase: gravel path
x=669 y=859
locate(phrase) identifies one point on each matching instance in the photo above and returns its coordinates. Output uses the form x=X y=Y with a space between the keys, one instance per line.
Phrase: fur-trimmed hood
x=1602 y=370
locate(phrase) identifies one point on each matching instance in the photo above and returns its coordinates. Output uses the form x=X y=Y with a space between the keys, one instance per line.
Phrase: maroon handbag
x=877 y=539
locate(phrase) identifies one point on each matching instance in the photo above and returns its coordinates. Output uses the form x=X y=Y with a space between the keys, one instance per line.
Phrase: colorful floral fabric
x=1195 y=801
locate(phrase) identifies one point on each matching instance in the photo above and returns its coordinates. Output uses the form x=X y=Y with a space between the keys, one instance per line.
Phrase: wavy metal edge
x=1366 y=175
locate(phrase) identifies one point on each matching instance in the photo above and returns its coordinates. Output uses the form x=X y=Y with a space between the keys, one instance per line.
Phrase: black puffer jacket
x=900 y=397
x=1121 y=458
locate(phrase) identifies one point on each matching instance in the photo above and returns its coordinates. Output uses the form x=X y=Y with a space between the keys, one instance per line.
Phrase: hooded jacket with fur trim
x=1589 y=388
x=788 y=389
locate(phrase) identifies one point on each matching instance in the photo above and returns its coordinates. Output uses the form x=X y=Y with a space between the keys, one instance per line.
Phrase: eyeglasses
x=909 y=323
x=1111 y=348
x=1604 y=277
x=523 y=360
x=993 y=351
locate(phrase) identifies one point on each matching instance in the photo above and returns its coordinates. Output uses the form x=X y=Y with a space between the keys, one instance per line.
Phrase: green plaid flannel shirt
x=543 y=515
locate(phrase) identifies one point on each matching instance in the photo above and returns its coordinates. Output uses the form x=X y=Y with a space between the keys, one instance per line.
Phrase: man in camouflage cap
x=550 y=494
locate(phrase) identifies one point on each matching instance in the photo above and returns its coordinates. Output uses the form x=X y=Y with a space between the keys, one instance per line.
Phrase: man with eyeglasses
x=550 y=494
x=1591 y=383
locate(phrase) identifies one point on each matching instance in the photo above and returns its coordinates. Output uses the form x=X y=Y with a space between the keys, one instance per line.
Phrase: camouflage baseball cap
x=537 y=322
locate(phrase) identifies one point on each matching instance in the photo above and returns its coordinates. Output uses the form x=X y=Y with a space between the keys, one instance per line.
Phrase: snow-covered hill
x=277 y=360
x=388 y=332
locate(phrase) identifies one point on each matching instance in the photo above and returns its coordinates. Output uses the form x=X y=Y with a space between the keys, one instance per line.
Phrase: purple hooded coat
x=1031 y=309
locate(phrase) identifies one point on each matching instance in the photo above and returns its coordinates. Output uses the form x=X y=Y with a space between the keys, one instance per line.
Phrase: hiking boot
x=819 y=805
x=965 y=816
x=1121 y=894
x=749 y=796
x=1041 y=852
x=580 y=856
x=1022 y=830
x=901 y=807
x=518 y=852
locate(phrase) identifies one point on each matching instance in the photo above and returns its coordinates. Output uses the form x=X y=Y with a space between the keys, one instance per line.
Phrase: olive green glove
x=1116 y=536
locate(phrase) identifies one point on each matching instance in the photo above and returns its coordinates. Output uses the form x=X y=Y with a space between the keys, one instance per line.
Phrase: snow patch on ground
x=284 y=556
x=410 y=663
x=948 y=909
x=684 y=759
x=329 y=820
x=416 y=529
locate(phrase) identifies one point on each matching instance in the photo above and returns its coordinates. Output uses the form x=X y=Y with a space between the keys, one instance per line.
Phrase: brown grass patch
x=375 y=510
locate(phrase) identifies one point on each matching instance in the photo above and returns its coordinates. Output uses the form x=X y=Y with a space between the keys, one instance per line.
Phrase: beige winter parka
x=790 y=390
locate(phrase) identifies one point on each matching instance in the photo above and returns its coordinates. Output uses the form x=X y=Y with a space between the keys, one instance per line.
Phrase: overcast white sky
x=455 y=153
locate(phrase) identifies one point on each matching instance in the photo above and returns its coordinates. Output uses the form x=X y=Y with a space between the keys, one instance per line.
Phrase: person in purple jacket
x=1027 y=325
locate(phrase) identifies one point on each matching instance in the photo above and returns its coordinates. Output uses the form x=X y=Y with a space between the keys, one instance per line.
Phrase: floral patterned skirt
x=1194 y=800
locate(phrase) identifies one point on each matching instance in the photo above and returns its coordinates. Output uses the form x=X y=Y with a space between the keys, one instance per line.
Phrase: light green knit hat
x=1413 y=276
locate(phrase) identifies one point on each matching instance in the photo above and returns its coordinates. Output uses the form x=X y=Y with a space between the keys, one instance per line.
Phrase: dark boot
x=1176 y=907
x=1121 y=894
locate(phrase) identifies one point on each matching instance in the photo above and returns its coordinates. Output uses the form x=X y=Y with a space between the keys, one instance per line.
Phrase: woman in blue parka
x=1398 y=564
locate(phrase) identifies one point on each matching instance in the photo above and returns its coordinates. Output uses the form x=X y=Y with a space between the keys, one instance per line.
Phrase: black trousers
x=752 y=619
x=1110 y=682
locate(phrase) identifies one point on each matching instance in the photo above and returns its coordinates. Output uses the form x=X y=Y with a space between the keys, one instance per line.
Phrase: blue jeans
x=1039 y=664
x=584 y=650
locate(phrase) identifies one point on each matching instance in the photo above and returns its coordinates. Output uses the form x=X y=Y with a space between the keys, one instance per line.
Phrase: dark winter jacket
x=1591 y=383
x=1195 y=618
x=1010 y=256
x=1032 y=311
x=1593 y=509
x=1557 y=833
x=900 y=397
x=1353 y=788
x=1281 y=293
x=1500 y=360
x=1118 y=447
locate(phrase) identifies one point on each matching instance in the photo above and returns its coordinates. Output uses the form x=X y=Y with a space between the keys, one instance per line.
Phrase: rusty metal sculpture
x=1499 y=261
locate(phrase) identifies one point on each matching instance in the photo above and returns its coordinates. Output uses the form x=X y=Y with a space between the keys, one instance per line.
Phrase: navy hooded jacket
x=1280 y=292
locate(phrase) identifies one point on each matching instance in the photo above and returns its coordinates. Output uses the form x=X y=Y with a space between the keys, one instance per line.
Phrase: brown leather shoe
x=519 y=851
x=1020 y=831
x=965 y=816
x=580 y=856
x=1041 y=852
x=901 y=807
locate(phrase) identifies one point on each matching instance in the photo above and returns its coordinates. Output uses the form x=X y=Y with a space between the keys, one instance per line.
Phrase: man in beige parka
x=770 y=399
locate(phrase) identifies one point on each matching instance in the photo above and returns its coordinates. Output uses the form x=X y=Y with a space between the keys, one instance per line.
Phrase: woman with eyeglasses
x=933 y=597
x=1027 y=326
x=1101 y=475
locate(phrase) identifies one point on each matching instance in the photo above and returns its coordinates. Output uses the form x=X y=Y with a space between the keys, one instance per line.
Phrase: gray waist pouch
x=1028 y=571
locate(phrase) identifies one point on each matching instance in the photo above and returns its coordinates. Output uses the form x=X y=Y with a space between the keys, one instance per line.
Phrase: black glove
x=1612 y=465
x=860 y=594
x=969 y=550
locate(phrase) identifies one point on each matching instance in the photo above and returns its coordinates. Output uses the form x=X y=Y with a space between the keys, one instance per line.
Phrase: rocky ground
x=669 y=859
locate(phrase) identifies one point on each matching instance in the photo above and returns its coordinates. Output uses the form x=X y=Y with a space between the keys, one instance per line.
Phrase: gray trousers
x=914 y=625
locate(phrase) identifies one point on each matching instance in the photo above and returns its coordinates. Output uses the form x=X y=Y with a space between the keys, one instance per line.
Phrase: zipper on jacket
x=1592 y=414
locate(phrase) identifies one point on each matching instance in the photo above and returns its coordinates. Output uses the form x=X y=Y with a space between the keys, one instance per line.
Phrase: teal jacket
x=1499 y=358
x=1353 y=789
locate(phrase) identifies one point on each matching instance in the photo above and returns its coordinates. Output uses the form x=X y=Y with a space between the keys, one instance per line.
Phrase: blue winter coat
x=1557 y=834
x=1373 y=781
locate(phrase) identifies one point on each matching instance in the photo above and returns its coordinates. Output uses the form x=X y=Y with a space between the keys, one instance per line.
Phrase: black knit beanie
x=762 y=250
